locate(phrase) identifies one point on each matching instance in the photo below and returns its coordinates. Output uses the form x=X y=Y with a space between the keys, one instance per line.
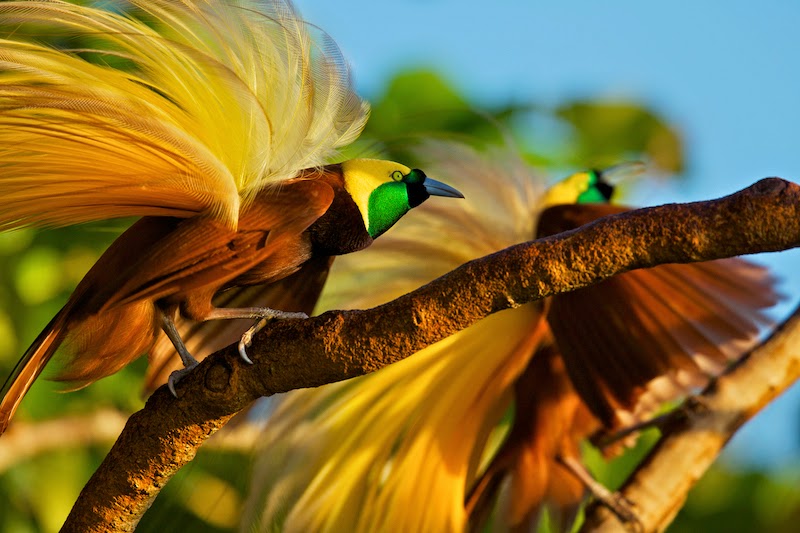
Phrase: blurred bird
x=211 y=120
x=483 y=423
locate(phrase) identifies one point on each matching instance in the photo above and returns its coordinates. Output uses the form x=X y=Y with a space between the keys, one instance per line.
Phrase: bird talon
x=176 y=376
x=267 y=316
x=623 y=509
x=243 y=344
x=247 y=338
x=171 y=386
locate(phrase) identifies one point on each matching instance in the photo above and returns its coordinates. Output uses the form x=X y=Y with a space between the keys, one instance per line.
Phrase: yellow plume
x=161 y=107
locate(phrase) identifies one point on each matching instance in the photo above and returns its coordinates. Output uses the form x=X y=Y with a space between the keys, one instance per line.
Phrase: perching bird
x=211 y=120
x=479 y=424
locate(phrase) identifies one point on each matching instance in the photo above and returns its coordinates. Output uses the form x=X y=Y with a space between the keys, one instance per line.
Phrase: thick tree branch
x=701 y=428
x=337 y=345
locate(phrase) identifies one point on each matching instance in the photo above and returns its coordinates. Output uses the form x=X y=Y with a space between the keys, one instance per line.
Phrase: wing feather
x=647 y=336
x=162 y=107
x=200 y=252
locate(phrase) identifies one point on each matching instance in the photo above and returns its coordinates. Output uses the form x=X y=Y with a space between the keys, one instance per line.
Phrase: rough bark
x=337 y=345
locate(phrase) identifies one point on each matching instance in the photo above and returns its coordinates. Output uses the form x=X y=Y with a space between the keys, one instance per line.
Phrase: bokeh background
x=706 y=93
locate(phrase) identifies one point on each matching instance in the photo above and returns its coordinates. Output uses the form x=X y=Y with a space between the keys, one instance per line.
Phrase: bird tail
x=30 y=366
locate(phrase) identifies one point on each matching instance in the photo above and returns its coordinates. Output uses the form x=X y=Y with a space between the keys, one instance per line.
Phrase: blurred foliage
x=607 y=132
x=729 y=500
x=38 y=269
x=420 y=103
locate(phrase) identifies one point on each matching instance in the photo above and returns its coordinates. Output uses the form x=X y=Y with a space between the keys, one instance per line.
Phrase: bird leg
x=263 y=315
x=686 y=410
x=603 y=440
x=614 y=501
x=189 y=362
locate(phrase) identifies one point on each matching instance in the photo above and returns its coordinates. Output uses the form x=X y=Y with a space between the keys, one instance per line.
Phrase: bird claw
x=178 y=375
x=269 y=315
x=623 y=509
x=614 y=501
x=247 y=340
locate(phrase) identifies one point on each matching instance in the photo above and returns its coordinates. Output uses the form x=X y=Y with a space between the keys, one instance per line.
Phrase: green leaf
x=606 y=133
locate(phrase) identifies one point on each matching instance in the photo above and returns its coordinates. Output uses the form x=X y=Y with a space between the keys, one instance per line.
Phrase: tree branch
x=704 y=424
x=161 y=438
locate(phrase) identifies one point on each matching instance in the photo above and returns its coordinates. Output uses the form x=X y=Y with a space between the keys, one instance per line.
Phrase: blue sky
x=726 y=73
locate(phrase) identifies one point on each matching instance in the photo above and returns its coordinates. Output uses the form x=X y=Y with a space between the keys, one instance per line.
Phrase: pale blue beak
x=437 y=188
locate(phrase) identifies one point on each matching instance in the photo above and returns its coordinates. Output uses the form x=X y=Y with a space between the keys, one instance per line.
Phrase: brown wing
x=680 y=321
x=298 y=292
x=200 y=252
x=624 y=345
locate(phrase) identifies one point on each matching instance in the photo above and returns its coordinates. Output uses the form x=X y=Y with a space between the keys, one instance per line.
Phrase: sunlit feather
x=162 y=107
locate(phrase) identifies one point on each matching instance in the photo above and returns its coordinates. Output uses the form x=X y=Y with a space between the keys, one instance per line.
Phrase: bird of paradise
x=211 y=120
x=483 y=422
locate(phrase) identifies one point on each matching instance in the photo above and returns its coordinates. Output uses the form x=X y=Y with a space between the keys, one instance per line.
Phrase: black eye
x=397 y=175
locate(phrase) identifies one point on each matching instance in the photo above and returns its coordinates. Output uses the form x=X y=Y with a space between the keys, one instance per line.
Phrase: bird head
x=384 y=191
x=593 y=186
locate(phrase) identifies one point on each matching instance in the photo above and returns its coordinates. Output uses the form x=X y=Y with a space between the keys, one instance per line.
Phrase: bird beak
x=437 y=188
x=622 y=172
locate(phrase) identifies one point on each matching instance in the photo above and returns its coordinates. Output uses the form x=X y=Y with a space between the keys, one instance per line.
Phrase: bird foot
x=623 y=508
x=189 y=362
x=268 y=316
x=614 y=501
x=178 y=375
